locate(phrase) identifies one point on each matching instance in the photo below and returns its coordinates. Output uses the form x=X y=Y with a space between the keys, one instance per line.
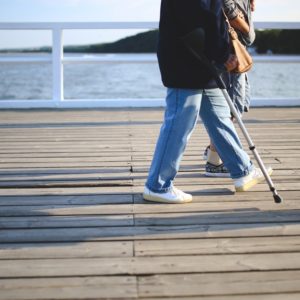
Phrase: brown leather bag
x=245 y=61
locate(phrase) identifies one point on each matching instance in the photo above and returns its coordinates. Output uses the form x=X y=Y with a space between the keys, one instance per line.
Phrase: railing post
x=57 y=65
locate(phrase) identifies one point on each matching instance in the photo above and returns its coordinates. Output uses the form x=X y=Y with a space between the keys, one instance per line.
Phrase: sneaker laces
x=257 y=172
x=176 y=191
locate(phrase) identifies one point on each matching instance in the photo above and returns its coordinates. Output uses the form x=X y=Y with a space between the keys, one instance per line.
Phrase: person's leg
x=182 y=109
x=215 y=114
x=237 y=91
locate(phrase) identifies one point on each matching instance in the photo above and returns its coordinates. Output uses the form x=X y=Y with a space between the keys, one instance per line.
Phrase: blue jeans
x=239 y=91
x=183 y=106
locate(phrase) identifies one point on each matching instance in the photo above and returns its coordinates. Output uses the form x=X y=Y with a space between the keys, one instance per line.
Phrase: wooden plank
x=95 y=199
x=280 y=186
x=56 y=171
x=138 y=148
x=64 y=183
x=58 y=159
x=197 y=164
x=55 y=221
x=107 y=135
x=80 y=144
x=66 y=191
x=217 y=246
x=28 y=138
x=66 y=250
x=75 y=164
x=104 y=287
x=200 y=186
x=192 y=178
x=196 y=158
x=148 y=233
x=125 y=127
x=83 y=205
x=228 y=188
x=219 y=284
x=88 y=175
x=222 y=189
x=61 y=150
x=78 y=154
x=197 y=184
x=286 y=296
x=65 y=210
x=193 y=155
x=33 y=134
x=148 y=265
x=251 y=207
x=224 y=217
x=255 y=200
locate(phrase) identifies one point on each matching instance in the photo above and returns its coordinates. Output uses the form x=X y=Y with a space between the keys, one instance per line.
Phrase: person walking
x=239 y=14
x=192 y=91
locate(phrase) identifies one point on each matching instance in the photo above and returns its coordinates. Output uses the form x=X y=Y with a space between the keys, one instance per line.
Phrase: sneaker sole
x=252 y=183
x=161 y=200
x=220 y=175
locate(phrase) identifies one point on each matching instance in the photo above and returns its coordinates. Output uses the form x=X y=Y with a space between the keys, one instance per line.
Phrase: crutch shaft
x=249 y=141
x=195 y=41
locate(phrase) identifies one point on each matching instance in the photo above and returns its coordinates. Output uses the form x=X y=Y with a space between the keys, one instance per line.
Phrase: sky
x=102 y=11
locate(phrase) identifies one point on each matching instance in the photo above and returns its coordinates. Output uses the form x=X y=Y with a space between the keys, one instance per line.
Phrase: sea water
x=128 y=80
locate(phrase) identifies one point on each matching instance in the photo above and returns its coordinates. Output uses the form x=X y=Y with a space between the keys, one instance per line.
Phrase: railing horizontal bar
x=81 y=103
x=89 y=103
x=78 y=25
x=277 y=25
x=277 y=58
x=269 y=102
x=21 y=59
x=141 y=58
x=119 y=25
x=152 y=59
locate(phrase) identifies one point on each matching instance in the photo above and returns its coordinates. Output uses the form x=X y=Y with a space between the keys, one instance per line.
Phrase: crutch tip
x=277 y=198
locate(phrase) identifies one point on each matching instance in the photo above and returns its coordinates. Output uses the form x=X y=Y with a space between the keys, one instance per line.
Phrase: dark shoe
x=205 y=153
x=246 y=109
x=216 y=171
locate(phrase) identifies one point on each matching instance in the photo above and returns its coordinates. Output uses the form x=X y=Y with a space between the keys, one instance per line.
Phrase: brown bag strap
x=226 y=19
x=231 y=30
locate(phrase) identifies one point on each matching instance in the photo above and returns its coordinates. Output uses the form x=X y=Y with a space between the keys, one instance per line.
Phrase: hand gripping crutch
x=195 y=42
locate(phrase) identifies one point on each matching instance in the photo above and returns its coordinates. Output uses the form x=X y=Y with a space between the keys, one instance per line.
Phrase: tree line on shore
x=267 y=41
x=274 y=41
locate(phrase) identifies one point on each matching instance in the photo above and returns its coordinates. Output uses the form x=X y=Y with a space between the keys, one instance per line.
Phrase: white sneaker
x=173 y=196
x=243 y=184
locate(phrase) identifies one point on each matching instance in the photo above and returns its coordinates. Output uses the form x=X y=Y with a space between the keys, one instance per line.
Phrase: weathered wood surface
x=73 y=224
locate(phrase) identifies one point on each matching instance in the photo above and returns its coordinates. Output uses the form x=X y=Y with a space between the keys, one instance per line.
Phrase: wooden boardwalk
x=74 y=225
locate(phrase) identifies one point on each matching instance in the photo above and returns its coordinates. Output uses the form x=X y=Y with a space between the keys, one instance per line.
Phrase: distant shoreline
x=286 y=42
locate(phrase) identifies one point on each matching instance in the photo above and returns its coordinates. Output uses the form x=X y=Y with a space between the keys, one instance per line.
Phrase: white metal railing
x=57 y=60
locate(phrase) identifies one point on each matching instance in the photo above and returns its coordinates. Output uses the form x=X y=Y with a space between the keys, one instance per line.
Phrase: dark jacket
x=179 y=67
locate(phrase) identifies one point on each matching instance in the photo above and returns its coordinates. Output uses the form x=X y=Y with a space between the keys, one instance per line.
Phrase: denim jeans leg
x=215 y=114
x=181 y=114
x=237 y=91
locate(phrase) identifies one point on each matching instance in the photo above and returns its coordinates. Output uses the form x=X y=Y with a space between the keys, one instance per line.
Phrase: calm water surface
x=128 y=80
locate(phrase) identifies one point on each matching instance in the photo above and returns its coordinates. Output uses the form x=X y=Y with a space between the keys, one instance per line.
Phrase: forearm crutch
x=195 y=42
